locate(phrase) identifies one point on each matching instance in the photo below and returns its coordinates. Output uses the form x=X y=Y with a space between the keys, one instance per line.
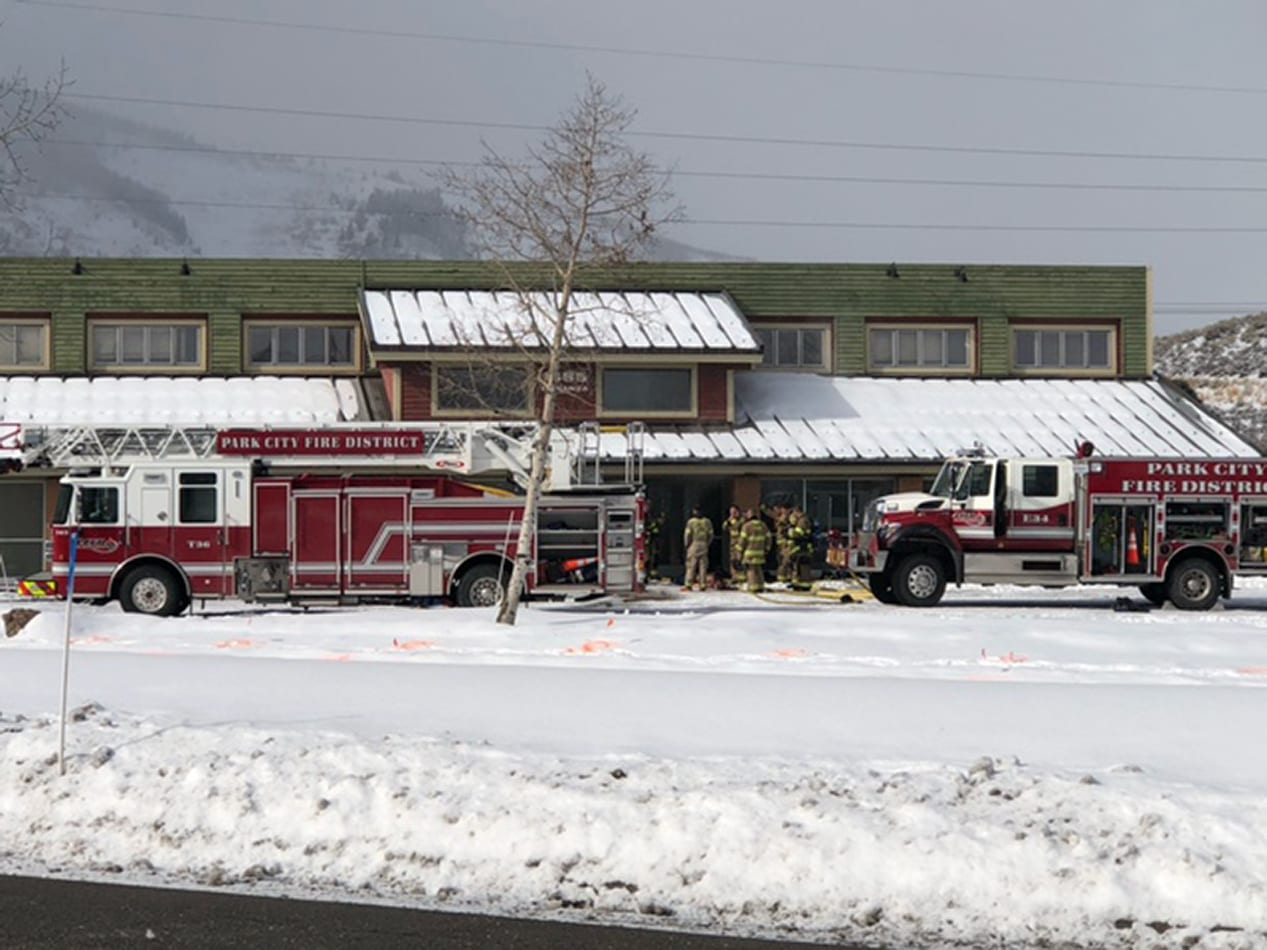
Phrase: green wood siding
x=849 y=294
x=224 y=339
x=70 y=351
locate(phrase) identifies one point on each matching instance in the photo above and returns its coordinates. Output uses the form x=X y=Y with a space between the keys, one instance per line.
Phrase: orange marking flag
x=1008 y=657
x=790 y=654
x=411 y=644
x=234 y=644
x=592 y=646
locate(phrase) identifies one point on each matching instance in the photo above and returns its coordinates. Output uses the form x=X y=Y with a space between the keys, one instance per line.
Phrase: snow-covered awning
x=162 y=400
x=661 y=323
x=787 y=417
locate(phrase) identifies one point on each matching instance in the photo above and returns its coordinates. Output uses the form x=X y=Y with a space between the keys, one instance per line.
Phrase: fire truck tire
x=1194 y=584
x=1155 y=594
x=882 y=588
x=919 y=581
x=153 y=590
x=483 y=585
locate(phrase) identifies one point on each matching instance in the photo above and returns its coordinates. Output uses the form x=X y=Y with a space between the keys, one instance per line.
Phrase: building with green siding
x=99 y=319
x=850 y=303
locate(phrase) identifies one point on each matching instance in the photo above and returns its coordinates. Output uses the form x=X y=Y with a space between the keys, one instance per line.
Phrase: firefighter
x=697 y=537
x=733 y=526
x=654 y=527
x=754 y=545
x=800 y=533
x=782 y=544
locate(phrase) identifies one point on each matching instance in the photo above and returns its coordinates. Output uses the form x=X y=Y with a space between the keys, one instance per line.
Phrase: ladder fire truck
x=163 y=516
x=1178 y=529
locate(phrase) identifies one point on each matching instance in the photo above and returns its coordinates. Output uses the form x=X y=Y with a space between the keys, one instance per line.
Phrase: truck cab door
x=972 y=507
x=1040 y=506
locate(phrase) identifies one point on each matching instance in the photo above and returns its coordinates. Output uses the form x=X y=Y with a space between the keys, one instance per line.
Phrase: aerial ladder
x=458 y=448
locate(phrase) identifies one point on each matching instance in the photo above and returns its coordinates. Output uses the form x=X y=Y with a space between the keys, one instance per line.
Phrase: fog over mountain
x=110 y=186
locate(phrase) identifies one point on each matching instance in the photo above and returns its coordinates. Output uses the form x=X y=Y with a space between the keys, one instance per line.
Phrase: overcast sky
x=763 y=107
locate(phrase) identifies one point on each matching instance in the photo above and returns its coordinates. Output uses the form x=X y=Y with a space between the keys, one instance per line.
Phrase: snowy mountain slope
x=1225 y=365
x=106 y=186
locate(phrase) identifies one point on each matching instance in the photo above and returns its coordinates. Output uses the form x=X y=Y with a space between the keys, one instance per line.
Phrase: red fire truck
x=1178 y=529
x=161 y=517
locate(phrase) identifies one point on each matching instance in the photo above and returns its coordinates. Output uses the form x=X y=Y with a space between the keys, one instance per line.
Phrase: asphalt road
x=52 y=914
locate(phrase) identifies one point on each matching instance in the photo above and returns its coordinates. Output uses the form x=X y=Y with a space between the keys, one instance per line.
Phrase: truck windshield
x=61 y=514
x=948 y=479
x=962 y=478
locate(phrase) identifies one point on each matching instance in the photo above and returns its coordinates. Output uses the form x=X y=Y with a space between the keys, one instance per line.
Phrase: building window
x=791 y=348
x=481 y=389
x=648 y=391
x=300 y=346
x=146 y=345
x=919 y=349
x=23 y=344
x=1078 y=350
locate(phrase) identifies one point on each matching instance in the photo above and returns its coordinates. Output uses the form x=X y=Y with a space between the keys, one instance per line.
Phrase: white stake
x=70 y=600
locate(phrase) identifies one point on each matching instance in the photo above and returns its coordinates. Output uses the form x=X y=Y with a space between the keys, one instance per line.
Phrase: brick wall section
x=415 y=391
x=577 y=395
x=713 y=392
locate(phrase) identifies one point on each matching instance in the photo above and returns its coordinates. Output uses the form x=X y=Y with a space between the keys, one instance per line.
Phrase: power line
x=686 y=55
x=678 y=136
x=718 y=222
x=753 y=176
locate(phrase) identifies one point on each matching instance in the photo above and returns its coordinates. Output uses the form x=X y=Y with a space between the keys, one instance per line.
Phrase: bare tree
x=582 y=202
x=28 y=112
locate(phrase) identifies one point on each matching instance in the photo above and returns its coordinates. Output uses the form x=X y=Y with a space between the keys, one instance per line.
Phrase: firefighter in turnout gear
x=697 y=538
x=800 y=535
x=782 y=544
x=754 y=545
x=733 y=526
x=652 y=530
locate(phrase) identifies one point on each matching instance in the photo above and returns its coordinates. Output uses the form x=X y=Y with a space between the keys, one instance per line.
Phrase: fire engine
x=159 y=517
x=1177 y=529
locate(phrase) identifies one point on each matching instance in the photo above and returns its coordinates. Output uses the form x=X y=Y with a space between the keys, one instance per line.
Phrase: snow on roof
x=157 y=400
x=701 y=323
x=805 y=418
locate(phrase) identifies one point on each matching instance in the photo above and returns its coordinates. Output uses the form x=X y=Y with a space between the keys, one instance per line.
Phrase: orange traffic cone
x=1132 y=550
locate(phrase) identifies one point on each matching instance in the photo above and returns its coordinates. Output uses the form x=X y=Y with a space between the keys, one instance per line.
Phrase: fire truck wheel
x=1194 y=585
x=481 y=586
x=882 y=588
x=150 y=590
x=1155 y=594
x=919 y=581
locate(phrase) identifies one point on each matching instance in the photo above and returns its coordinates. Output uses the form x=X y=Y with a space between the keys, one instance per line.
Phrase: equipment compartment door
x=1121 y=538
x=315 y=566
x=375 y=556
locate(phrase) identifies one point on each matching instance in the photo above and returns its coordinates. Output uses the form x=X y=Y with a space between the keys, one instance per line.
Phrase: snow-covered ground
x=1013 y=768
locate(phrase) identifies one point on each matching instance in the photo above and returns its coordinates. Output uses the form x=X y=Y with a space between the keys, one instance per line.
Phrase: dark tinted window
x=98 y=505
x=1039 y=481
x=198 y=498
